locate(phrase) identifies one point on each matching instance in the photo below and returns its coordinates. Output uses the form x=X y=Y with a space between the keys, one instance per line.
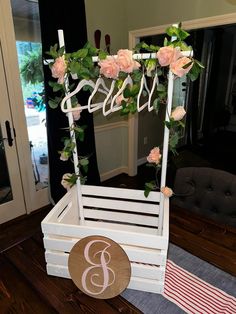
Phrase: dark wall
x=71 y=18
x=216 y=50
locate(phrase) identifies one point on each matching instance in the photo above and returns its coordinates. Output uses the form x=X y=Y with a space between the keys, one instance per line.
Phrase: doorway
x=134 y=38
x=11 y=194
x=24 y=191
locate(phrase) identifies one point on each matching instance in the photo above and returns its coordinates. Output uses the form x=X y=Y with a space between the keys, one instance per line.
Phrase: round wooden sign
x=99 y=267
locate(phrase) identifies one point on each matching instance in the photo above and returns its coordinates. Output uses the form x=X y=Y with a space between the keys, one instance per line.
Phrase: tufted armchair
x=208 y=192
x=203 y=215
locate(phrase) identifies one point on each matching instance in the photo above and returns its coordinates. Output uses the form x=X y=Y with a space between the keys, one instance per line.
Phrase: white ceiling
x=25 y=9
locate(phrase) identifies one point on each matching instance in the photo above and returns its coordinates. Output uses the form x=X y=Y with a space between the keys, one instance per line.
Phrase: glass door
x=20 y=55
x=25 y=16
x=11 y=194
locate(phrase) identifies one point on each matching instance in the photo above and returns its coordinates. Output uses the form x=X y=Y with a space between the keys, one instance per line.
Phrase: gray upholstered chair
x=208 y=192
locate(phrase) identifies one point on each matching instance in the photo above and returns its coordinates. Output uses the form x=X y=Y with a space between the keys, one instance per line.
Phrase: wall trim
x=142 y=161
x=112 y=173
x=223 y=19
x=110 y=126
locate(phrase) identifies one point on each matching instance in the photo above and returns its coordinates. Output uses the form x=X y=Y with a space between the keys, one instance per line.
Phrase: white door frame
x=16 y=206
x=33 y=199
x=134 y=38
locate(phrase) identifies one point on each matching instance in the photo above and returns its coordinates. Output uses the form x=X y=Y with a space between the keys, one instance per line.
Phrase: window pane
x=5 y=185
x=29 y=50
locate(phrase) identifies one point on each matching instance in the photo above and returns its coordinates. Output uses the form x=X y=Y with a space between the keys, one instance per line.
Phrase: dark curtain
x=191 y=128
x=72 y=20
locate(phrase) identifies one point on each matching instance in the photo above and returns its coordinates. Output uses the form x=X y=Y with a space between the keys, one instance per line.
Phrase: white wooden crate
x=123 y=215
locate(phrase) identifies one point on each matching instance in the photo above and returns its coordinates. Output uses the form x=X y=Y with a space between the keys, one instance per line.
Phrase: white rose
x=67 y=185
x=64 y=156
x=76 y=114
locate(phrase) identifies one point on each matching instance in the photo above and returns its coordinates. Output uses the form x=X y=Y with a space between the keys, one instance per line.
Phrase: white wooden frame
x=134 y=37
x=139 y=224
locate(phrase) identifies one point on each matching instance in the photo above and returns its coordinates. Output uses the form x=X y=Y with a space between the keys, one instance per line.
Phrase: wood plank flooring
x=25 y=286
x=210 y=241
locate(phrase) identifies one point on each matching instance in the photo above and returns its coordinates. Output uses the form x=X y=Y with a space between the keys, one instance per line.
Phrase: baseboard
x=142 y=161
x=112 y=173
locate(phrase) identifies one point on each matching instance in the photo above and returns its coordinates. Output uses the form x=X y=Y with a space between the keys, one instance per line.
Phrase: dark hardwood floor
x=25 y=286
x=204 y=238
x=211 y=241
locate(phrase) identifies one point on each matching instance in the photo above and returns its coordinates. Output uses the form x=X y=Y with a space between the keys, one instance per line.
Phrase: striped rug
x=194 y=295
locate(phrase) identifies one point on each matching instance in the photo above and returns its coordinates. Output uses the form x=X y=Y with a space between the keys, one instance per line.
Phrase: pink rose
x=154 y=156
x=64 y=182
x=120 y=98
x=167 y=55
x=178 y=113
x=177 y=66
x=126 y=62
x=59 y=69
x=167 y=191
x=109 y=67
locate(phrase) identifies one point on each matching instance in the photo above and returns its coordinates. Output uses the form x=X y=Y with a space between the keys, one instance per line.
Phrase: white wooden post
x=71 y=121
x=165 y=147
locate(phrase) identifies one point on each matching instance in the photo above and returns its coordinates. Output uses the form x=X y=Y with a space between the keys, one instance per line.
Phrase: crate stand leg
x=72 y=135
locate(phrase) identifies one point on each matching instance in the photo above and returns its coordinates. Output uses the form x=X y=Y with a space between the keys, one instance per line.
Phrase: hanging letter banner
x=99 y=267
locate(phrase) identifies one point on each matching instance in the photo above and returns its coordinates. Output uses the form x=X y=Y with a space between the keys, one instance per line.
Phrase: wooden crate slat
x=137 y=236
x=135 y=282
x=144 y=255
x=146 y=285
x=59 y=245
x=120 y=193
x=141 y=255
x=121 y=205
x=91 y=227
x=137 y=269
x=147 y=271
x=56 y=258
x=57 y=270
x=69 y=199
x=133 y=219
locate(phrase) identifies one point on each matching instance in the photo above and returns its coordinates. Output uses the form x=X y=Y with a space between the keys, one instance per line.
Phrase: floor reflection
x=36 y=125
x=5 y=188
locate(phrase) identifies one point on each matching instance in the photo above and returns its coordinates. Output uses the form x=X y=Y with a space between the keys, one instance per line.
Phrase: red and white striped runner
x=194 y=295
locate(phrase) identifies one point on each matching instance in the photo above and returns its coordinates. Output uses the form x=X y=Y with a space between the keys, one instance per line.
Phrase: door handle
x=8 y=130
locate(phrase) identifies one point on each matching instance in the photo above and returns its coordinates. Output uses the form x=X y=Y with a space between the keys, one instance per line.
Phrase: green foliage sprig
x=79 y=65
